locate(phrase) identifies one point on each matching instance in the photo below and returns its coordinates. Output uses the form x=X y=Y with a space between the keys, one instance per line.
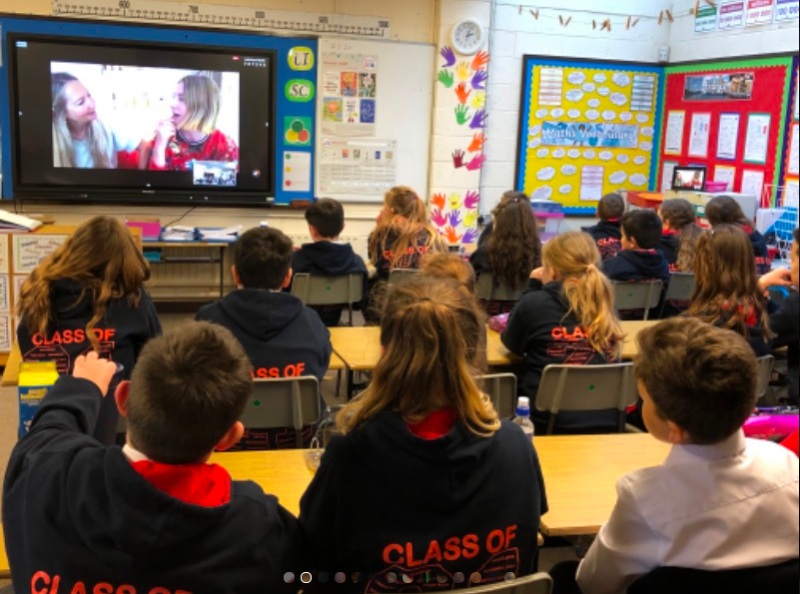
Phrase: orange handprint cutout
x=477 y=143
x=481 y=61
x=452 y=235
x=462 y=93
x=439 y=200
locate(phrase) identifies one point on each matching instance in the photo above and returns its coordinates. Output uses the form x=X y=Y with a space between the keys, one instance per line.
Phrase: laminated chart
x=588 y=129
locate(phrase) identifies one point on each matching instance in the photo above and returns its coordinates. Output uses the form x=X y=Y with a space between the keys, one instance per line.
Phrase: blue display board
x=295 y=94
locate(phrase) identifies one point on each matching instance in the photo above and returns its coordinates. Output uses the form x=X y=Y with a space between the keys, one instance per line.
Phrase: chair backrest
x=488 y=291
x=681 y=286
x=400 y=275
x=539 y=583
x=502 y=390
x=765 y=367
x=289 y=402
x=583 y=388
x=636 y=296
x=329 y=290
x=772 y=580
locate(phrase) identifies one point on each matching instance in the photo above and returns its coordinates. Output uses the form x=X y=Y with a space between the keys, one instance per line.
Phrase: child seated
x=608 y=232
x=640 y=259
x=724 y=210
x=154 y=516
x=720 y=501
x=327 y=256
x=681 y=233
x=727 y=292
x=282 y=337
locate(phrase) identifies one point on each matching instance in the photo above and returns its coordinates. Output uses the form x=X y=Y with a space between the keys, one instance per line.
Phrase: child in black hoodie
x=568 y=319
x=89 y=295
x=327 y=256
x=724 y=210
x=154 y=516
x=282 y=337
x=607 y=234
x=455 y=489
x=681 y=233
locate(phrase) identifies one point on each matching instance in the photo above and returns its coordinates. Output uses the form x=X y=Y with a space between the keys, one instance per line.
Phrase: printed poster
x=787 y=10
x=643 y=97
x=5 y=333
x=31 y=250
x=349 y=94
x=296 y=171
x=794 y=151
x=756 y=146
x=551 y=86
x=4 y=240
x=592 y=183
x=668 y=175
x=357 y=167
x=706 y=19
x=736 y=86
x=726 y=174
x=5 y=293
x=760 y=12
x=676 y=122
x=731 y=15
x=700 y=135
x=753 y=183
x=728 y=140
x=587 y=134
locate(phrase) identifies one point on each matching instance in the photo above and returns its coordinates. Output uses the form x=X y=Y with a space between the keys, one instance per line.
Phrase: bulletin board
x=587 y=129
x=791 y=167
x=730 y=118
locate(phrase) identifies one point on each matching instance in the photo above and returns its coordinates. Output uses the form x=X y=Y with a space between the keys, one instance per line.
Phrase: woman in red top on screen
x=191 y=134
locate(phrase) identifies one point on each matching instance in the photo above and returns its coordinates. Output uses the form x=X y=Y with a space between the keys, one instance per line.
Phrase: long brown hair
x=405 y=214
x=726 y=292
x=724 y=210
x=63 y=147
x=103 y=258
x=576 y=259
x=450 y=266
x=430 y=332
x=514 y=246
x=681 y=217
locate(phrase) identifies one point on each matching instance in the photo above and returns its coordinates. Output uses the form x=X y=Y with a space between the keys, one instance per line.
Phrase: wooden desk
x=497 y=355
x=5 y=572
x=336 y=363
x=631 y=329
x=11 y=370
x=581 y=474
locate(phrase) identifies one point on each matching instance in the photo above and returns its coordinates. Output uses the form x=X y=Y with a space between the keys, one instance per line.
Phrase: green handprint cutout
x=462 y=114
x=447 y=78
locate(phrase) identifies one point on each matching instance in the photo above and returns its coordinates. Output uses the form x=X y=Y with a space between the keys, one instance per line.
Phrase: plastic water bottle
x=523 y=416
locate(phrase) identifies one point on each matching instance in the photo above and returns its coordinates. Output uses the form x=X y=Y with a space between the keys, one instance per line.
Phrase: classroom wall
x=689 y=46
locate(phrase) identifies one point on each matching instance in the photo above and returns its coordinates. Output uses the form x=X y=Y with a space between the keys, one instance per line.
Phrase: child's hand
x=780 y=277
x=98 y=371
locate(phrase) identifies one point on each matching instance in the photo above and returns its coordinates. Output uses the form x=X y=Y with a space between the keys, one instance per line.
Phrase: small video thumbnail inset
x=215 y=173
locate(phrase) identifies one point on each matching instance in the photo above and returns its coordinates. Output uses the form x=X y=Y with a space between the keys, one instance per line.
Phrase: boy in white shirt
x=720 y=501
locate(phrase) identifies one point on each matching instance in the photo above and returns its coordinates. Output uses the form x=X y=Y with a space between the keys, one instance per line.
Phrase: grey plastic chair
x=539 y=583
x=636 y=296
x=399 y=275
x=765 y=367
x=584 y=388
x=488 y=291
x=681 y=288
x=502 y=390
x=276 y=403
x=325 y=290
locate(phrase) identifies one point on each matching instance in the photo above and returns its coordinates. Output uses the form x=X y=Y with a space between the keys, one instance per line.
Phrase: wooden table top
x=631 y=329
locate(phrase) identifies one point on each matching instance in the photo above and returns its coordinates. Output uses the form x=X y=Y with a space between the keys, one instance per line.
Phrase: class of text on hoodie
x=327 y=258
x=122 y=333
x=80 y=517
x=282 y=337
x=388 y=501
x=608 y=237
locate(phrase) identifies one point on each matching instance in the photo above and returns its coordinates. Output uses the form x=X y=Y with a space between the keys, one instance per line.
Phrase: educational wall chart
x=349 y=94
x=358 y=166
x=729 y=117
x=731 y=15
x=587 y=129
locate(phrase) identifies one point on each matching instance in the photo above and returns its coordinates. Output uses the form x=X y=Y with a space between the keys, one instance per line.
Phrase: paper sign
x=727 y=175
x=753 y=183
x=728 y=140
x=731 y=15
x=760 y=12
x=756 y=146
x=592 y=183
x=676 y=121
x=19 y=280
x=31 y=250
x=787 y=10
x=296 y=172
x=551 y=86
x=4 y=239
x=5 y=333
x=5 y=293
x=706 y=19
x=357 y=167
x=700 y=135
x=794 y=151
x=668 y=175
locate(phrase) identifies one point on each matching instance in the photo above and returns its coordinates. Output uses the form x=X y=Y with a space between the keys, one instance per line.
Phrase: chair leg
x=338 y=384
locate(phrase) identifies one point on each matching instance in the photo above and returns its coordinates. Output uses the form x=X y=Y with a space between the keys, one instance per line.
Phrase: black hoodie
x=123 y=332
x=670 y=246
x=79 y=518
x=608 y=237
x=761 y=252
x=544 y=331
x=326 y=258
x=385 y=501
x=785 y=323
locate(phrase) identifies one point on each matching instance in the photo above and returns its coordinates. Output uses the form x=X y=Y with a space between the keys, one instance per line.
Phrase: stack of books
x=14 y=223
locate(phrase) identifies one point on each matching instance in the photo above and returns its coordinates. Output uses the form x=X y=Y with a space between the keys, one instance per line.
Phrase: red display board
x=712 y=98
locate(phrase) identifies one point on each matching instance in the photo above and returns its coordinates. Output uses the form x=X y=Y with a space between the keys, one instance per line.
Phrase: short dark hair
x=645 y=227
x=263 y=258
x=724 y=210
x=327 y=217
x=700 y=377
x=611 y=206
x=187 y=390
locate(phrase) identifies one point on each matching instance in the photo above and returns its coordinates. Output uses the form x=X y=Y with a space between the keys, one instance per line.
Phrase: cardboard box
x=35 y=380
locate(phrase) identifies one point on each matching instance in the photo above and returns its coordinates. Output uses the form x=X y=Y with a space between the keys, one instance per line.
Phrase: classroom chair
x=539 y=583
x=638 y=296
x=324 y=290
x=765 y=367
x=487 y=290
x=399 y=275
x=502 y=391
x=288 y=402
x=668 y=580
x=681 y=289
x=585 y=388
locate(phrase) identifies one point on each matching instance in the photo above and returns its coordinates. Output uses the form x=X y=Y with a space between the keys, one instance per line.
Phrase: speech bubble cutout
x=606 y=156
x=609 y=115
x=600 y=78
x=639 y=180
x=557 y=113
x=546 y=174
x=640 y=160
x=626 y=116
x=535 y=143
x=541 y=114
x=543 y=153
x=590 y=154
x=574 y=96
x=648 y=131
x=621 y=79
x=592 y=115
x=604 y=91
x=569 y=170
x=559 y=153
x=619 y=99
x=576 y=78
x=643 y=118
x=623 y=159
x=646 y=146
x=574 y=113
x=542 y=193
x=565 y=189
x=574 y=154
x=595 y=103
x=618 y=177
x=589 y=88
x=535 y=130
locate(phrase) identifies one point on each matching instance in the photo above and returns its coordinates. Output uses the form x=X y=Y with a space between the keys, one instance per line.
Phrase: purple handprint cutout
x=449 y=57
x=472 y=200
x=438 y=218
x=471 y=237
x=479 y=120
x=455 y=218
x=476 y=163
x=479 y=80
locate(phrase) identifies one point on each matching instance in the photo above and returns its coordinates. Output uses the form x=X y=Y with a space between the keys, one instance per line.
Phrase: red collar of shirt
x=436 y=425
x=206 y=485
x=671 y=232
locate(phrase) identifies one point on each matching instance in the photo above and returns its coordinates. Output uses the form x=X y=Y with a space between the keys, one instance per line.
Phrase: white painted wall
x=687 y=46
